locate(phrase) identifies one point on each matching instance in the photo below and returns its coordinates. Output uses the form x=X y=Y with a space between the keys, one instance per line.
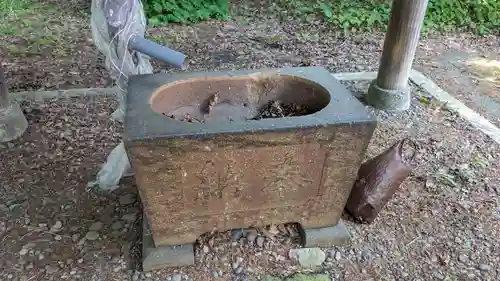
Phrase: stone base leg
x=154 y=258
x=12 y=122
x=388 y=100
x=327 y=236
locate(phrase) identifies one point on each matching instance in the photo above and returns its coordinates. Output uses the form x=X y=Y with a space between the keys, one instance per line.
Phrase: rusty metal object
x=197 y=177
x=378 y=180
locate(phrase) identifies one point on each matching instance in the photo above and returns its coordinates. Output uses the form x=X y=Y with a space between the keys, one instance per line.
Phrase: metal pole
x=390 y=91
x=157 y=51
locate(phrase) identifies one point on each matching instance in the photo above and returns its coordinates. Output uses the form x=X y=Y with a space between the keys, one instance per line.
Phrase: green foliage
x=481 y=16
x=185 y=11
x=12 y=7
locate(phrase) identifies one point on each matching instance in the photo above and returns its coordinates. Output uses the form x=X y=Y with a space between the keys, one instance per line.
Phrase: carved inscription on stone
x=227 y=181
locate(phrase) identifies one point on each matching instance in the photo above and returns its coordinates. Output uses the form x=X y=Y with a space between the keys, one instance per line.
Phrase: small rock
x=260 y=241
x=251 y=235
x=50 y=269
x=238 y=270
x=29 y=246
x=439 y=276
x=206 y=249
x=81 y=242
x=127 y=199
x=117 y=269
x=129 y=217
x=484 y=267
x=117 y=225
x=56 y=227
x=308 y=257
x=41 y=256
x=91 y=235
x=235 y=265
x=96 y=226
x=23 y=251
x=58 y=237
x=338 y=255
x=444 y=258
x=148 y=275
x=236 y=234
x=177 y=277
x=463 y=258
x=215 y=274
x=75 y=237
x=135 y=277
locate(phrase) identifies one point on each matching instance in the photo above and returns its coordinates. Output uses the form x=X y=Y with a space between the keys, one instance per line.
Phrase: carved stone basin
x=225 y=169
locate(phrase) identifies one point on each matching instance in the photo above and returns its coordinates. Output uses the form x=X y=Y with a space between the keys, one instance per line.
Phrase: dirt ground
x=468 y=68
x=444 y=223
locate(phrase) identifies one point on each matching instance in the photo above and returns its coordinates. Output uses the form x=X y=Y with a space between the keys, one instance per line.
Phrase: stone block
x=228 y=172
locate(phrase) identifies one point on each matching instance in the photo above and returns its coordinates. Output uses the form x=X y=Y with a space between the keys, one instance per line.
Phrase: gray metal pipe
x=157 y=51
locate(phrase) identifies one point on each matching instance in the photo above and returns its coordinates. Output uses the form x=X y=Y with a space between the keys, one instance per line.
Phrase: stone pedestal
x=12 y=122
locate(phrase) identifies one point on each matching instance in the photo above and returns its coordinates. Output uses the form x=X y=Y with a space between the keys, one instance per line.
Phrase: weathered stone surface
x=92 y=235
x=246 y=173
x=96 y=226
x=389 y=100
x=154 y=258
x=327 y=236
x=13 y=124
x=308 y=257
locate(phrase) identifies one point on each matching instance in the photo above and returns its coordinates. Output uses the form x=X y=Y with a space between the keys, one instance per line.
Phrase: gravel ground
x=443 y=223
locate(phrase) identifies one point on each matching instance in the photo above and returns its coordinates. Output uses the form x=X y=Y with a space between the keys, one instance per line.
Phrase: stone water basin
x=221 y=169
